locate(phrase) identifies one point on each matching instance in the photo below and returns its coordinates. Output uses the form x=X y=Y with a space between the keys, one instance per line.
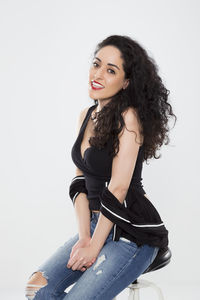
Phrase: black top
x=96 y=166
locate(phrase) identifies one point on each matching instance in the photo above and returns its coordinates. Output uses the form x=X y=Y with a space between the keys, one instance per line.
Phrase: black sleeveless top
x=97 y=165
x=136 y=219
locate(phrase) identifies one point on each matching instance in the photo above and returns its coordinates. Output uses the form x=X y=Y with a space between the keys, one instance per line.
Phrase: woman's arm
x=122 y=170
x=81 y=204
x=82 y=215
x=82 y=212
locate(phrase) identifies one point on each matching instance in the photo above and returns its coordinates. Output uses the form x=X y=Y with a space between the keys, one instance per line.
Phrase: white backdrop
x=45 y=52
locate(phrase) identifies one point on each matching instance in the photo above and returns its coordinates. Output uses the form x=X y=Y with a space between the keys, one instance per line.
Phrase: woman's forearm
x=104 y=225
x=82 y=215
x=102 y=230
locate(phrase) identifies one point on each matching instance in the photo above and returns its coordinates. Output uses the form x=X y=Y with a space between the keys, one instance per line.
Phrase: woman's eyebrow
x=108 y=63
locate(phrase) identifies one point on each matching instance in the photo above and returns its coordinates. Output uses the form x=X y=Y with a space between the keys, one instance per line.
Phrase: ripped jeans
x=118 y=264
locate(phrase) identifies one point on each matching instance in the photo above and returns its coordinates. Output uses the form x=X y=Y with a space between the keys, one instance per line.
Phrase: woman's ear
x=126 y=83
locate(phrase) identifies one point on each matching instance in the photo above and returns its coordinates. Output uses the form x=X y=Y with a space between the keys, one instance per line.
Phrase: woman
x=119 y=230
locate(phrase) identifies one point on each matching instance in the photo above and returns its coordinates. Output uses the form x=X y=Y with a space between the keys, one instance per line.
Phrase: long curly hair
x=146 y=93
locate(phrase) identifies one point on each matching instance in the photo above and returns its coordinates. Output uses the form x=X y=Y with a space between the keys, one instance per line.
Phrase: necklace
x=93 y=116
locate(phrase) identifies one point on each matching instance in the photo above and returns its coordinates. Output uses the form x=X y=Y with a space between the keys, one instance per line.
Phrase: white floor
x=170 y=292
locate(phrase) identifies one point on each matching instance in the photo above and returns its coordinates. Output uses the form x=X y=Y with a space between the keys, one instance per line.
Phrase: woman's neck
x=101 y=104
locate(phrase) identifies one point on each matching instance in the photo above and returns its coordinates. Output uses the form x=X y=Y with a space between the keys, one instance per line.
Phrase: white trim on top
x=135 y=225
x=73 y=199
x=76 y=178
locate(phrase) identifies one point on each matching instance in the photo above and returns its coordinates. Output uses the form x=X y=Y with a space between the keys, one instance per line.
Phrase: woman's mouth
x=96 y=86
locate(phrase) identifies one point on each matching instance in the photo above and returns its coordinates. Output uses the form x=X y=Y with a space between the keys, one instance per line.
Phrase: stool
x=161 y=260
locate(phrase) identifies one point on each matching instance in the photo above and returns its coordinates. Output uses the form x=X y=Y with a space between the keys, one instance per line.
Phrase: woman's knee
x=34 y=284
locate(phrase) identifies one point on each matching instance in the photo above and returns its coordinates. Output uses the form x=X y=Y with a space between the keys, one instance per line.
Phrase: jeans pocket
x=127 y=244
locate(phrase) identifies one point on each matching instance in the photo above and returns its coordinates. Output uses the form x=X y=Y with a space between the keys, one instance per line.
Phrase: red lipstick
x=96 y=85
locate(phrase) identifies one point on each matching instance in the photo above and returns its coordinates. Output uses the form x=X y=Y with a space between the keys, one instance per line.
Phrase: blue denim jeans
x=118 y=264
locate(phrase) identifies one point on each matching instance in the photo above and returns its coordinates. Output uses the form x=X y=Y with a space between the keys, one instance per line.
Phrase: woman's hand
x=82 y=257
x=81 y=243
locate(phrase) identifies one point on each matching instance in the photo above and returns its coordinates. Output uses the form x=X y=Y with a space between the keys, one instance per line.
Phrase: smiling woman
x=120 y=232
x=104 y=81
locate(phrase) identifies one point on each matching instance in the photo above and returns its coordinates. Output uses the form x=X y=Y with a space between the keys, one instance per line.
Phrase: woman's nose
x=99 y=73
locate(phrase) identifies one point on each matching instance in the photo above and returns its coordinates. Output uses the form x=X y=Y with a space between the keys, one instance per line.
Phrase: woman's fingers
x=72 y=252
x=82 y=266
x=76 y=246
x=77 y=265
x=88 y=265
x=76 y=262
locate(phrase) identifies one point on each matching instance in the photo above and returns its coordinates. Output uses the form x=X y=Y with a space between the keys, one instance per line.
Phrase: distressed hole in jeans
x=35 y=283
x=99 y=261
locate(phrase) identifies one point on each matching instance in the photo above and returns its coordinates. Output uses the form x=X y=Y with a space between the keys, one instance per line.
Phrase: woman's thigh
x=118 y=264
x=55 y=270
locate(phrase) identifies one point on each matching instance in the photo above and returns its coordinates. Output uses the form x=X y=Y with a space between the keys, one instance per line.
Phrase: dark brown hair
x=146 y=93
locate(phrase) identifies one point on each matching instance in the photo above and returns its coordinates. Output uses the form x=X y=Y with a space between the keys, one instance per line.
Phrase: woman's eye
x=113 y=72
x=96 y=65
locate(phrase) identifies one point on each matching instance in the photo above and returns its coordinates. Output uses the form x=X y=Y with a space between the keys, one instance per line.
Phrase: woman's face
x=107 y=70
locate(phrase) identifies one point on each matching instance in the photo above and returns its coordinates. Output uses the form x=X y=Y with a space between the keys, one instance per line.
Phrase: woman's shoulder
x=84 y=112
x=131 y=117
x=132 y=121
x=130 y=114
x=82 y=115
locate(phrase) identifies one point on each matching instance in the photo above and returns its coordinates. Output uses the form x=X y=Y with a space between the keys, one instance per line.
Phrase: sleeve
x=76 y=187
x=140 y=219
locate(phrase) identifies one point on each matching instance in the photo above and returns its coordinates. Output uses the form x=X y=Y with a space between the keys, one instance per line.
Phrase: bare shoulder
x=83 y=113
x=131 y=117
x=81 y=117
x=132 y=121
